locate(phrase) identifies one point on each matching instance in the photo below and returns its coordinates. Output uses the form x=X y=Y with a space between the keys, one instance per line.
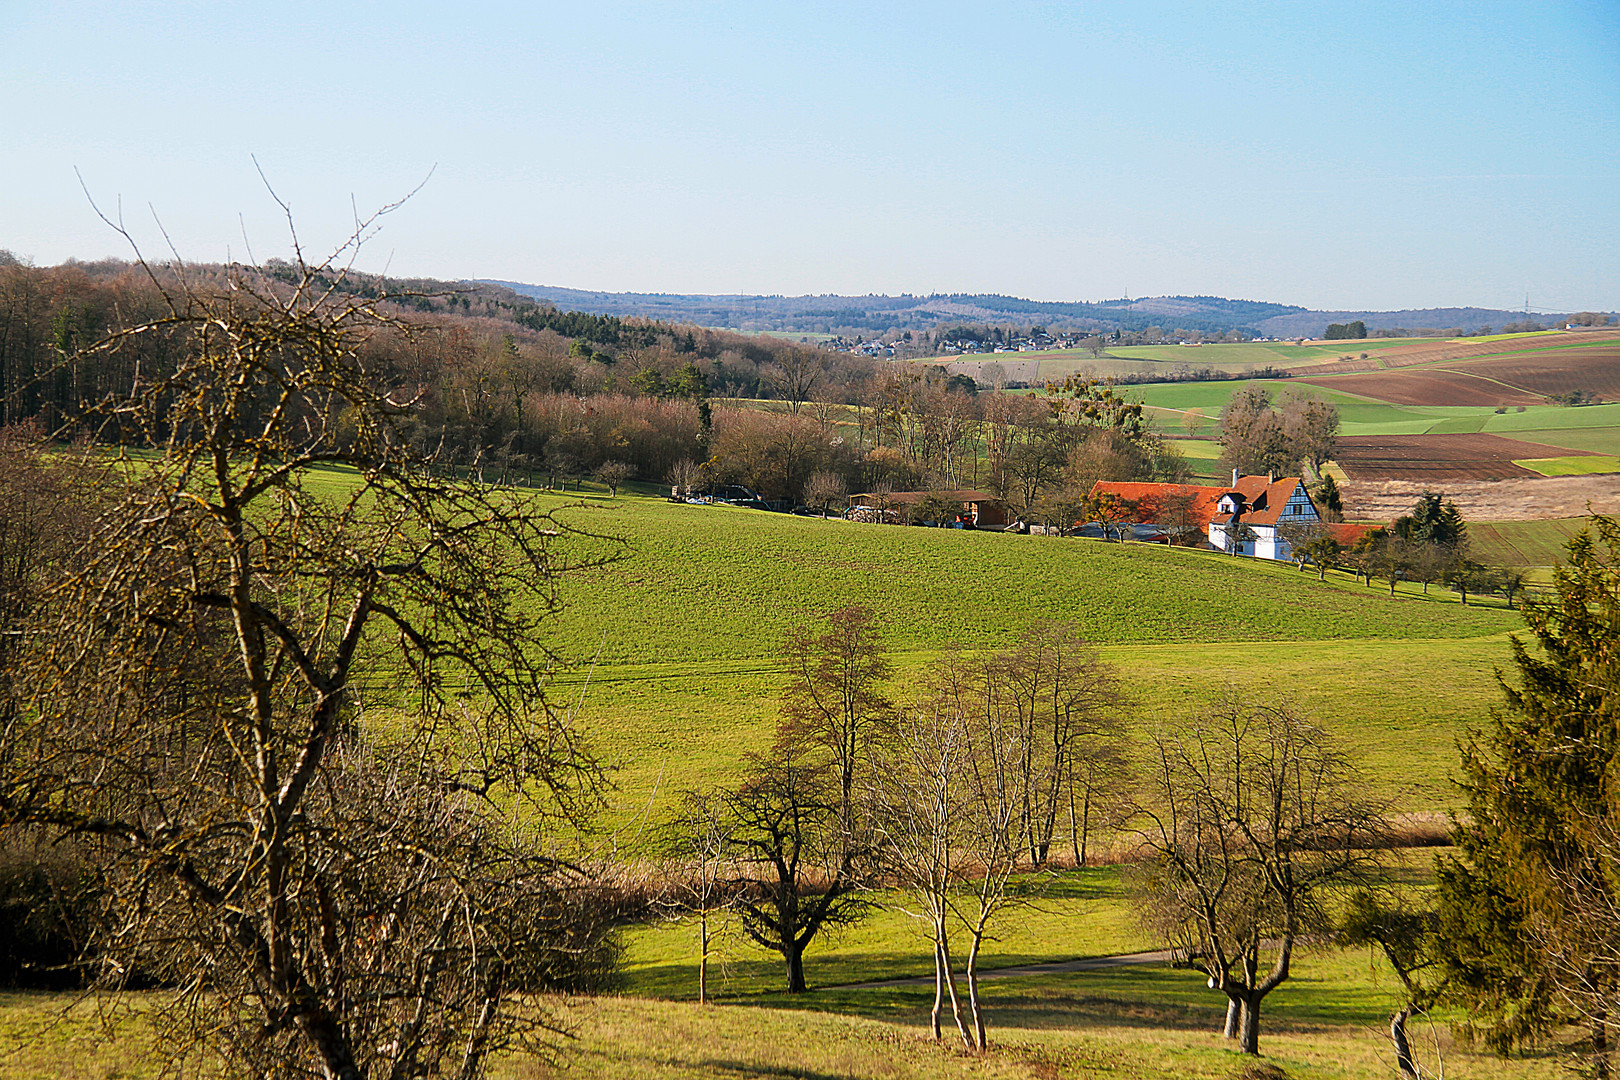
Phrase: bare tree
x=700 y=841
x=796 y=817
x=825 y=489
x=949 y=804
x=614 y=474
x=1067 y=704
x=916 y=795
x=684 y=477
x=1250 y=814
x=325 y=894
x=835 y=702
x=795 y=375
x=786 y=824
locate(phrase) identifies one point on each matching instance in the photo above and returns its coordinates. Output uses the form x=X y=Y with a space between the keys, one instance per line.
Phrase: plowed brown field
x=1438 y=458
x=1431 y=387
x=1444 y=349
x=1527 y=379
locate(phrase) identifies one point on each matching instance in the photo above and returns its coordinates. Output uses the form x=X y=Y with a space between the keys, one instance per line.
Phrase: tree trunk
x=1403 y=1048
x=950 y=986
x=1249 y=1025
x=979 y=1041
x=703 y=957
x=1600 y=1046
x=939 y=992
x=1233 y=1012
x=794 y=953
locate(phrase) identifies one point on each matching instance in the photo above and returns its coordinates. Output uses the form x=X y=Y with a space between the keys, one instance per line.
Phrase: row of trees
x=1429 y=546
x=1247 y=817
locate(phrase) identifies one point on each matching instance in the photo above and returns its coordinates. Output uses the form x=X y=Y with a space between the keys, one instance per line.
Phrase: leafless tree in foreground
x=949 y=804
x=1249 y=815
x=291 y=685
x=700 y=845
x=916 y=801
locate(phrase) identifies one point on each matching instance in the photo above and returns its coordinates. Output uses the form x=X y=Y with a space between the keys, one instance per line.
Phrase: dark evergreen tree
x=1530 y=907
x=1328 y=500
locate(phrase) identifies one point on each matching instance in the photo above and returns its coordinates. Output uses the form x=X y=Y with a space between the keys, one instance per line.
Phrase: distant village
x=966 y=341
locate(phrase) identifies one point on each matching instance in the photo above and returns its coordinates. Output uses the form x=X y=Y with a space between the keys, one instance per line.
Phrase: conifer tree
x=1530 y=911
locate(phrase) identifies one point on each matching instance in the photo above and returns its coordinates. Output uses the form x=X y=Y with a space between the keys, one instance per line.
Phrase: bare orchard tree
x=825 y=490
x=915 y=797
x=701 y=849
x=1068 y=705
x=1250 y=815
x=614 y=474
x=300 y=711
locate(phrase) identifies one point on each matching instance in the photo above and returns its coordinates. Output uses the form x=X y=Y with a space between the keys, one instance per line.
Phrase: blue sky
x=1342 y=156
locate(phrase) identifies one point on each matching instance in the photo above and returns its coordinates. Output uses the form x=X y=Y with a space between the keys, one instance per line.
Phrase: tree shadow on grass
x=1152 y=996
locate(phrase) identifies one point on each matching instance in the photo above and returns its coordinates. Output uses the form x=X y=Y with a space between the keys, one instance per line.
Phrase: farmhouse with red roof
x=1249 y=518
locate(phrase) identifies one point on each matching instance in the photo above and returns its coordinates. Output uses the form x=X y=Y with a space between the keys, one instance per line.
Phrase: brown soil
x=1504 y=500
x=1505 y=380
x=1439 y=458
x=1441 y=349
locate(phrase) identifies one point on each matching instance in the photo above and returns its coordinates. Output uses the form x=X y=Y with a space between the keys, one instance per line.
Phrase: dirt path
x=1055 y=967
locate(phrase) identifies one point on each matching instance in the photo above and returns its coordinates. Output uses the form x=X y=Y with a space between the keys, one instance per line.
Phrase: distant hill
x=1312 y=323
x=872 y=315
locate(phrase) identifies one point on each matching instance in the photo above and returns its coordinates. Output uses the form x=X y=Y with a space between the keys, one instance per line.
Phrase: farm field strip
x=1573 y=465
x=1522 y=543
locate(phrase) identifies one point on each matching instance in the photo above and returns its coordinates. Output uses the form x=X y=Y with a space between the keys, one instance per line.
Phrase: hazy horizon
x=1342 y=158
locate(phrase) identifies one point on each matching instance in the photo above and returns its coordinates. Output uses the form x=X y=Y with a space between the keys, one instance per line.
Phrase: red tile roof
x=1149 y=498
x=1345 y=533
x=1266 y=498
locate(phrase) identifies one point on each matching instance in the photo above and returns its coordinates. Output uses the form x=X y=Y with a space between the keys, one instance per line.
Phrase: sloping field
x=1522 y=543
x=1434 y=351
x=716 y=583
x=1523 y=379
x=1437 y=458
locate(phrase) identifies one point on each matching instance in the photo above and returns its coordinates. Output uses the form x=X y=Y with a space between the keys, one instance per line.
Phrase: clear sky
x=1347 y=155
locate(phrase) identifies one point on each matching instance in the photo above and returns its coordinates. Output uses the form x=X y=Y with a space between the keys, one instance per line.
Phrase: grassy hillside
x=686 y=624
x=704 y=584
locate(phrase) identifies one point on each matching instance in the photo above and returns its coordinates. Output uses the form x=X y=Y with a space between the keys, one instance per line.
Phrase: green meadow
x=1593 y=428
x=669 y=651
x=667 y=656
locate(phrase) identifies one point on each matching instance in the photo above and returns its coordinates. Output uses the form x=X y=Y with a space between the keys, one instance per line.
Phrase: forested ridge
x=522 y=390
